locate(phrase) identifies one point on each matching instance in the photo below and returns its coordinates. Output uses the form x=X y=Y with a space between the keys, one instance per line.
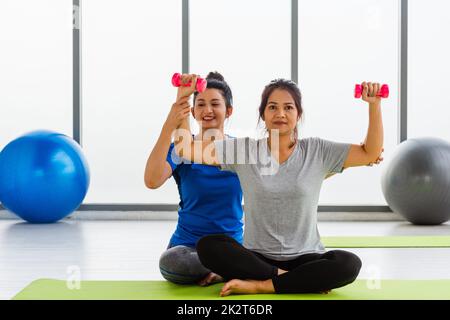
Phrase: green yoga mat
x=387 y=242
x=162 y=290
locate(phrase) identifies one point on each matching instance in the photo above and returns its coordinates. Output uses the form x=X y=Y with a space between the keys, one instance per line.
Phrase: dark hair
x=283 y=84
x=216 y=81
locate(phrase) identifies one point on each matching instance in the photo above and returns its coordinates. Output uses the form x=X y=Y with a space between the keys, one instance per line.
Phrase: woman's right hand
x=379 y=159
x=187 y=91
x=178 y=112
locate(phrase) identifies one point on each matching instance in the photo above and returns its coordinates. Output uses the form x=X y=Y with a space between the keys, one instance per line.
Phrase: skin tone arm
x=157 y=169
x=369 y=152
x=359 y=155
x=198 y=151
x=378 y=161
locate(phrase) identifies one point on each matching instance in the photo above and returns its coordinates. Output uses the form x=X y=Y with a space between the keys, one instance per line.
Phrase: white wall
x=130 y=51
x=342 y=43
x=429 y=69
x=248 y=47
x=35 y=67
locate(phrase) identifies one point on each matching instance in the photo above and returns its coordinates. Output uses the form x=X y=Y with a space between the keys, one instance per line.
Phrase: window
x=342 y=43
x=248 y=47
x=36 y=67
x=428 y=69
x=130 y=51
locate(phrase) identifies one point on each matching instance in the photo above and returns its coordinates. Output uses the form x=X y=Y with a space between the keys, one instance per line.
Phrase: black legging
x=309 y=273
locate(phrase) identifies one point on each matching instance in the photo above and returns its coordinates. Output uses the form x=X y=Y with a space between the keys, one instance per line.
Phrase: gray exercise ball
x=416 y=181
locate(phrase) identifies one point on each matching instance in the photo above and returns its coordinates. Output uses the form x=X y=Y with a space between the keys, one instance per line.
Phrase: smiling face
x=210 y=109
x=280 y=112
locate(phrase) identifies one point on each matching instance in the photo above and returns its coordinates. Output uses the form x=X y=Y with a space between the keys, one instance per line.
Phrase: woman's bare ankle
x=266 y=286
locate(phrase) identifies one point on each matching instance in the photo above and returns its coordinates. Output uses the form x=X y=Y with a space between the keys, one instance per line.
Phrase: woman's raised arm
x=197 y=151
x=157 y=169
x=360 y=155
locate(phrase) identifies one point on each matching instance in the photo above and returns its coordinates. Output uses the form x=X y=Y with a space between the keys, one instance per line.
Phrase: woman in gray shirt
x=281 y=177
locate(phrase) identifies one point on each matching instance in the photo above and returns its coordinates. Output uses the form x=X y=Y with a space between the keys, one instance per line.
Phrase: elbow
x=151 y=184
x=373 y=156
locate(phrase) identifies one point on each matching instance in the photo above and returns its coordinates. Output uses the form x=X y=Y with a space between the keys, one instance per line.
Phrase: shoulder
x=316 y=141
x=313 y=146
x=309 y=141
x=238 y=140
x=227 y=136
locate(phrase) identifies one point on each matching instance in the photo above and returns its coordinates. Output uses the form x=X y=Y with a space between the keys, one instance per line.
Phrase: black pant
x=309 y=273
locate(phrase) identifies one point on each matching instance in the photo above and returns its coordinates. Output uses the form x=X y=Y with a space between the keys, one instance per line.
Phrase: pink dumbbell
x=200 y=86
x=383 y=93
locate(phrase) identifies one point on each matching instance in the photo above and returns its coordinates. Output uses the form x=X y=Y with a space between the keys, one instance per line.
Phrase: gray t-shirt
x=281 y=200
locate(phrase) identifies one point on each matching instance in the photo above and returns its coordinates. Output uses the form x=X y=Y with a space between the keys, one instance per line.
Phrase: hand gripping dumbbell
x=200 y=86
x=383 y=93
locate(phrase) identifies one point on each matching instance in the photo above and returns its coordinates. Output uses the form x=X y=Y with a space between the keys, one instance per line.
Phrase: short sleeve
x=333 y=154
x=231 y=153
x=172 y=158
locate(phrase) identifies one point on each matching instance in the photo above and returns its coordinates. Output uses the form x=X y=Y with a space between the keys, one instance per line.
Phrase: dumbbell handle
x=200 y=85
x=383 y=93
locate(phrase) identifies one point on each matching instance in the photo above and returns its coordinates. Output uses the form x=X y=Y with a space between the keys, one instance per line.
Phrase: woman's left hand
x=370 y=91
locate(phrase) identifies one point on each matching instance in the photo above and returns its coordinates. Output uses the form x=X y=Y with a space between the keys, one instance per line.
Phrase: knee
x=350 y=264
x=173 y=264
x=169 y=257
x=181 y=264
x=210 y=244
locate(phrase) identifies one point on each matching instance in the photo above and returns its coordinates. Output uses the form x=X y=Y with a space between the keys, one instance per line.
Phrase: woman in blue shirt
x=210 y=199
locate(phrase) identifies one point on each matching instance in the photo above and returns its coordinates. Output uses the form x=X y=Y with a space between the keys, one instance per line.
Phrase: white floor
x=129 y=250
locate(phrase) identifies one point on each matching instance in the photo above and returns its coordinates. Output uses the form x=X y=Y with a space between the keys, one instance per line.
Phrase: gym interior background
x=99 y=72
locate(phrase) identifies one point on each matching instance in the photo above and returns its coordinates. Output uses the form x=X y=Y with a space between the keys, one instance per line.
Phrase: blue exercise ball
x=44 y=176
x=416 y=182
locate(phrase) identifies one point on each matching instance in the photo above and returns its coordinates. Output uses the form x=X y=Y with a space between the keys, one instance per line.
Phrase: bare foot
x=210 y=279
x=247 y=287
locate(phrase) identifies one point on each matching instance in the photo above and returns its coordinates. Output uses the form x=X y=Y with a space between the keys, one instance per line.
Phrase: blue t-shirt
x=210 y=201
